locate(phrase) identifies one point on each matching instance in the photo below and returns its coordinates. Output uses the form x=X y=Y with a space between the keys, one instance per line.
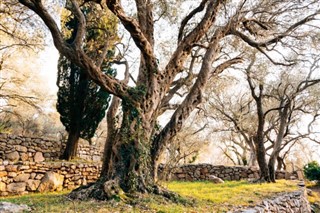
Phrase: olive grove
x=211 y=36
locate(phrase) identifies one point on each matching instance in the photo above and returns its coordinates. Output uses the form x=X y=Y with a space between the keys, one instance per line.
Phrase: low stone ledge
x=16 y=148
x=24 y=177
x=198 y=172
x=292 y=202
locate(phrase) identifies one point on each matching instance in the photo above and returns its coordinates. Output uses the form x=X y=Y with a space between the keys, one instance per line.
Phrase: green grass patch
x=231 y=192
x=201 y=196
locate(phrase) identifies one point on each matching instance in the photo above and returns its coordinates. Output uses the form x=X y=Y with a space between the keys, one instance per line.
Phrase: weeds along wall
x=16 y=148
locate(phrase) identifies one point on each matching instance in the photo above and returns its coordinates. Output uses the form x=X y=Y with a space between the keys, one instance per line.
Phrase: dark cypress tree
x=81 y=103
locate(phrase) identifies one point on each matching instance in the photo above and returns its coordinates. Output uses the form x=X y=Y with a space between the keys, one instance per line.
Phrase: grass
x=202 y=197
x=314 y=197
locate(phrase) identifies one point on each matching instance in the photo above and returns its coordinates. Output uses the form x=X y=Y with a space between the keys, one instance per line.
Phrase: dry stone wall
x=16 y=148
x=294 y=202
x=195 y=172
x=25 y=177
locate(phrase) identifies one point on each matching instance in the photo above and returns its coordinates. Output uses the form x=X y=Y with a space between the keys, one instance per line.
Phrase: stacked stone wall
x=194 y=172
x=25 y=177
x=294 y=202
x=15 y=148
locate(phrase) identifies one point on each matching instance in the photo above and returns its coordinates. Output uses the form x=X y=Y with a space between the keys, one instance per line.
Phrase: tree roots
x=111 y=190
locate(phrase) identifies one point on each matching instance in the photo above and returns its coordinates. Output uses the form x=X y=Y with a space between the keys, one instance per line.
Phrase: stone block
x=181 y=175
x=20 y=148
x=3 y=173
x=24 y=156
x=32 y=185
x=13 y=156
x=23 y=167
x=96 y=158
x=12 y=168
x=21 y=178
x=16 y=187
x=3 y=187
x=33 y=175
x=39 y=176
x=4 y=193
x=12 y=174
x=47 y=155
x=51 y=182
x=38 y=157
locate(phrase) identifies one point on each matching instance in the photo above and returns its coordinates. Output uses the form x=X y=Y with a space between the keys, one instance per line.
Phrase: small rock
x=6 y=207
x=51 y=182
x=11 y=168
x=215 y=179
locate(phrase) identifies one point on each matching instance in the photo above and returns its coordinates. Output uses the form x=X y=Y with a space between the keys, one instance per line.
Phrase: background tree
x=81 y=103
x=24 y=108
x=209 y=29
x=286 y=101
x=186 y=147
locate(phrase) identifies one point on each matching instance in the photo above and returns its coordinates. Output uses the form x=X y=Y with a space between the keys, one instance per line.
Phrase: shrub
x=312 y=171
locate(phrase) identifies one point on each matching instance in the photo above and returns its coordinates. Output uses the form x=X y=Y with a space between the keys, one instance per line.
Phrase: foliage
x=312 y=171
x=81 y=103
x=79 y=99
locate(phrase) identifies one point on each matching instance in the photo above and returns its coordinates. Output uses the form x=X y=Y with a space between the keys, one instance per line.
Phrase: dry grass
x=201 y=197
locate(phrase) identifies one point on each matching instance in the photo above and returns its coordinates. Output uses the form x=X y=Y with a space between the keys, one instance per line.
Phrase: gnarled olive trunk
x=127 y=167
x=131 y=161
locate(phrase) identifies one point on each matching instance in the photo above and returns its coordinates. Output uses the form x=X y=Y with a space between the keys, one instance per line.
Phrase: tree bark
x=253 y=156
x=259 y=136
x=280 y=163
x=283 y=114
x=70 y=151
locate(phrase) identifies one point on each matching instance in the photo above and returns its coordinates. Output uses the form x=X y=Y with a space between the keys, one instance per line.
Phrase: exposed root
x=100 y=190
x=172 y=196
x=257 y=180
x=111 y=190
